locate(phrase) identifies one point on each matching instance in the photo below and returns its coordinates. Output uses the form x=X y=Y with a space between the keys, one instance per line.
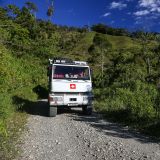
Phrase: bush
x=138 y=104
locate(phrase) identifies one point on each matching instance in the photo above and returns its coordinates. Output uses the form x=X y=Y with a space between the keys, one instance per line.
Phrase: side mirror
x=91 y=71
x=49 y=70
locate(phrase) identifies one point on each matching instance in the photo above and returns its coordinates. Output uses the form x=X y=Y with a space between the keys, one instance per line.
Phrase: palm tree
x=50 y=10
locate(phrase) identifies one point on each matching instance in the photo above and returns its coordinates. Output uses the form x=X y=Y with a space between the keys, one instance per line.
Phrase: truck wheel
x=52 y=111
x=87 y=111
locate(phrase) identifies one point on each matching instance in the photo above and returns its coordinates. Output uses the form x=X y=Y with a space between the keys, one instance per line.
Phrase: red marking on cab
x=72 y=86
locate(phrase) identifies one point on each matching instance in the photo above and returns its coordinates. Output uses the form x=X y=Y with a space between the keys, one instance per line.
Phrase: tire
x=87 y=111
x=52 y=111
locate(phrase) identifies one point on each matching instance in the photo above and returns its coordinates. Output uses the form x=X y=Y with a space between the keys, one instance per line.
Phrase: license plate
x=73 y=99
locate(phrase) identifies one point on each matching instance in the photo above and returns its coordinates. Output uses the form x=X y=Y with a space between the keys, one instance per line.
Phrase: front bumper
x=70 y=100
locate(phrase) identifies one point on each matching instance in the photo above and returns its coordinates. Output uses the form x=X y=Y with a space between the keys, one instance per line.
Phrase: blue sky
x=130 y=14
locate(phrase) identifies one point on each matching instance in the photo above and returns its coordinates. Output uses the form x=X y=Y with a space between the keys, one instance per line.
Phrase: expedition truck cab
x=69 y=85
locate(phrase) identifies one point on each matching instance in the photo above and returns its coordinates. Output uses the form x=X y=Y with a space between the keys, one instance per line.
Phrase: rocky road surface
x=72 y=136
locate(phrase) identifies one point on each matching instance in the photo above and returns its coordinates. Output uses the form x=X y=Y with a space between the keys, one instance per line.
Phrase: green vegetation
x=125 y=69
x=130 y=94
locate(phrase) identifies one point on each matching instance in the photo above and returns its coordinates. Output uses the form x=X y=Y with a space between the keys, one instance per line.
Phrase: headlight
x=89 y=88
x=57 y=98
x=85 y=98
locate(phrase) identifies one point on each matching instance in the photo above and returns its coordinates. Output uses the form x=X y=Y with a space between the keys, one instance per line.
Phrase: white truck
x=70 y=85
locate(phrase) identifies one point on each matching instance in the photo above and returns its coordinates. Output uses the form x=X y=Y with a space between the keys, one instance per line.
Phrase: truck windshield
x=71 y=72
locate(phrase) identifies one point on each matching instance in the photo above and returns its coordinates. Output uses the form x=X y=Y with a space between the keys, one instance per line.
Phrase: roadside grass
x=148 y=126
x=12 y=122
x=19 y=77
x=9 y=141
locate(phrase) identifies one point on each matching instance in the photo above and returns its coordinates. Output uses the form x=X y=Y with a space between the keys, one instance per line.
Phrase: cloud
x=146 y=22
x=106 y=14
x=151 y=5
x=148 y=9
x=118 y=5
x=141 y=13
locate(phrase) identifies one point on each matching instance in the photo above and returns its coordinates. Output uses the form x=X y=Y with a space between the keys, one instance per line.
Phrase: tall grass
x=18 y=77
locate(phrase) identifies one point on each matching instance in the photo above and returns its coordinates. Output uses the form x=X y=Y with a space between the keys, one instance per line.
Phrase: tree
x=13 y=11
x=50 y=12
x=100 y=28
x=99 y=49
x=145 y=41
x=32 y=7
x=3 y=13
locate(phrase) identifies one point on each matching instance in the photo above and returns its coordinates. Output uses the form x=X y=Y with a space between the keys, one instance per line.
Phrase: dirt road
x=73 y=136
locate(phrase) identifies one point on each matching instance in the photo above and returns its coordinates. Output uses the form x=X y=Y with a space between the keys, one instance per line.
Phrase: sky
x=129 y=14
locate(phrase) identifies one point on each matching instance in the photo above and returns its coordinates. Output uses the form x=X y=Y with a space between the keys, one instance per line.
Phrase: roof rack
x=66 y=61
x=61 y=61
x=83 y=63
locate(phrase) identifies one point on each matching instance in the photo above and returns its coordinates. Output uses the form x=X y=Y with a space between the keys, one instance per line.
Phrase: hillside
x=83 y=45
x=118 y=42
x=122 y=42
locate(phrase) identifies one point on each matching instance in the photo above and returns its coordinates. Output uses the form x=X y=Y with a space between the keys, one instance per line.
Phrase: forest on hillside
x=126 y=68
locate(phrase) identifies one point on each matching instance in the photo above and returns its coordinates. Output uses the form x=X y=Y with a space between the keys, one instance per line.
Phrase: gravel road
x=72 y=136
